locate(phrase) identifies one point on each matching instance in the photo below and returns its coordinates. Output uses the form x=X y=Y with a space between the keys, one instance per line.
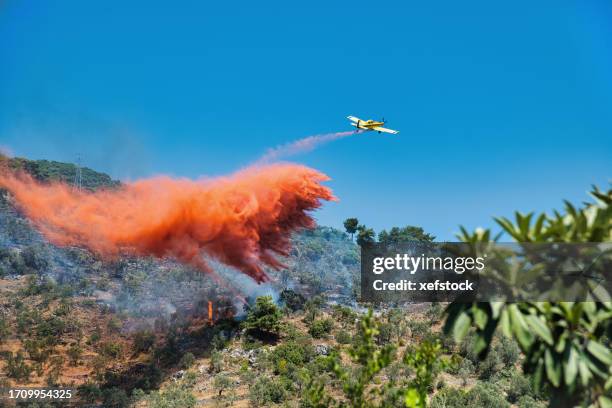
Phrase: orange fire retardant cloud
x=243 y=220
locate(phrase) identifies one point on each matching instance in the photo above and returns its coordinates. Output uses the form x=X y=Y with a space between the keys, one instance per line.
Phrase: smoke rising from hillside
x=243 y=220
x=303 y=145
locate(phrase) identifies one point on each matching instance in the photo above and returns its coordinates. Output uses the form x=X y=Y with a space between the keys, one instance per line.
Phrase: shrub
x=343 y=337
x=4 y=329
x=216 y=362
x=36 y=349
x=95 y=336
x=344 y=315
x=218 y=341
x=222 y=382
x=449 y=397
x=486 y=395
x=490 y=365
x=419 y=329
x=114 y=325
x=175 y=396
x=264 y=317
x=35 y=257
x=312 y=309
x=478 y=397
x=292 y=353
x=466 y=368
x=527 y=401
x=266 y=391
x=508 y=350
x=187 y=360
x=115 y=398
x=52 y=328
x=434 y=312
x=519 y=385
x=386 y=332
x=17 y=368
x=89 y=392
x=293 y=300
x=321 y=328
x=74 y=354
x=143 y=341
x=111 y=349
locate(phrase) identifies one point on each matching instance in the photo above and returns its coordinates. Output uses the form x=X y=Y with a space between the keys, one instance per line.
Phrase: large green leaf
x=585 y=373
x=571 y=365
x=540 y=328
x=553 y=368
x=519 y=326
x=600 y=352
x=461 y=326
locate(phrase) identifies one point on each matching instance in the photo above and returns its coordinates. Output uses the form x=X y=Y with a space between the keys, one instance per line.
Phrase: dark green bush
x=115 y=398
x=187 y=361
x=518 y=386
x=343 y=337
x=478 y=397
x=266 y=391
x=143 y=341
x=508 y=351
x=293 y=300
x=17 y=368
x=264 y=317
x=111 y=349
x=293 y=354
x=174 y=396
x=321 y=328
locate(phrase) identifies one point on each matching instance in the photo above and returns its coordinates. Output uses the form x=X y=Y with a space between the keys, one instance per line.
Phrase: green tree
x=143 y=341
x=312 y=308
x=426 y=362
x=115 y=398
x=370 y=359
x=75 y=351
x=266 y=391
x=293 y=300
x=566 y=344
x=175 y=396
x=187 y=360
x=16 y=367
x=264 y=317
x=351 y=225
x=409 y=233
x=222 y=382
x=320 y=328
x=365 y=235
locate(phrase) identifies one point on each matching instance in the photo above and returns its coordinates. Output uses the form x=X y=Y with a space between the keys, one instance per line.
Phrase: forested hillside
x=154 y=333
x=45 y=170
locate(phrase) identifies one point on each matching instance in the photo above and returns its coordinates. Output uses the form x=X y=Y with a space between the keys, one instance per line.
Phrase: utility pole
x=78 y=175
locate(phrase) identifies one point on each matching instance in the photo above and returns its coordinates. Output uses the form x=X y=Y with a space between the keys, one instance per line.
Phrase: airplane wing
x=382 y=129
x=354 y=119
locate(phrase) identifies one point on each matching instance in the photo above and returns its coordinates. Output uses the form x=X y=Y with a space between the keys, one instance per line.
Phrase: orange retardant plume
x=243 y=220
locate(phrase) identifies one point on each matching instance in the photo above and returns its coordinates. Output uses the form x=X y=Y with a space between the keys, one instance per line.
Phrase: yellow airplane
x=370 y=125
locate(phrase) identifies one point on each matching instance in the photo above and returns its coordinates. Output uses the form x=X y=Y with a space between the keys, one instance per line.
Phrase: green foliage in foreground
x=566 y=344
x=361 y=386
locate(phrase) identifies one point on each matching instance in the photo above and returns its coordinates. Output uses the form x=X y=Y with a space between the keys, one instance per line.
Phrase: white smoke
x=303 y=145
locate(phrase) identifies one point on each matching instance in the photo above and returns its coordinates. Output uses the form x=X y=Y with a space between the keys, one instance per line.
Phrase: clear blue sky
x=501 y=105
